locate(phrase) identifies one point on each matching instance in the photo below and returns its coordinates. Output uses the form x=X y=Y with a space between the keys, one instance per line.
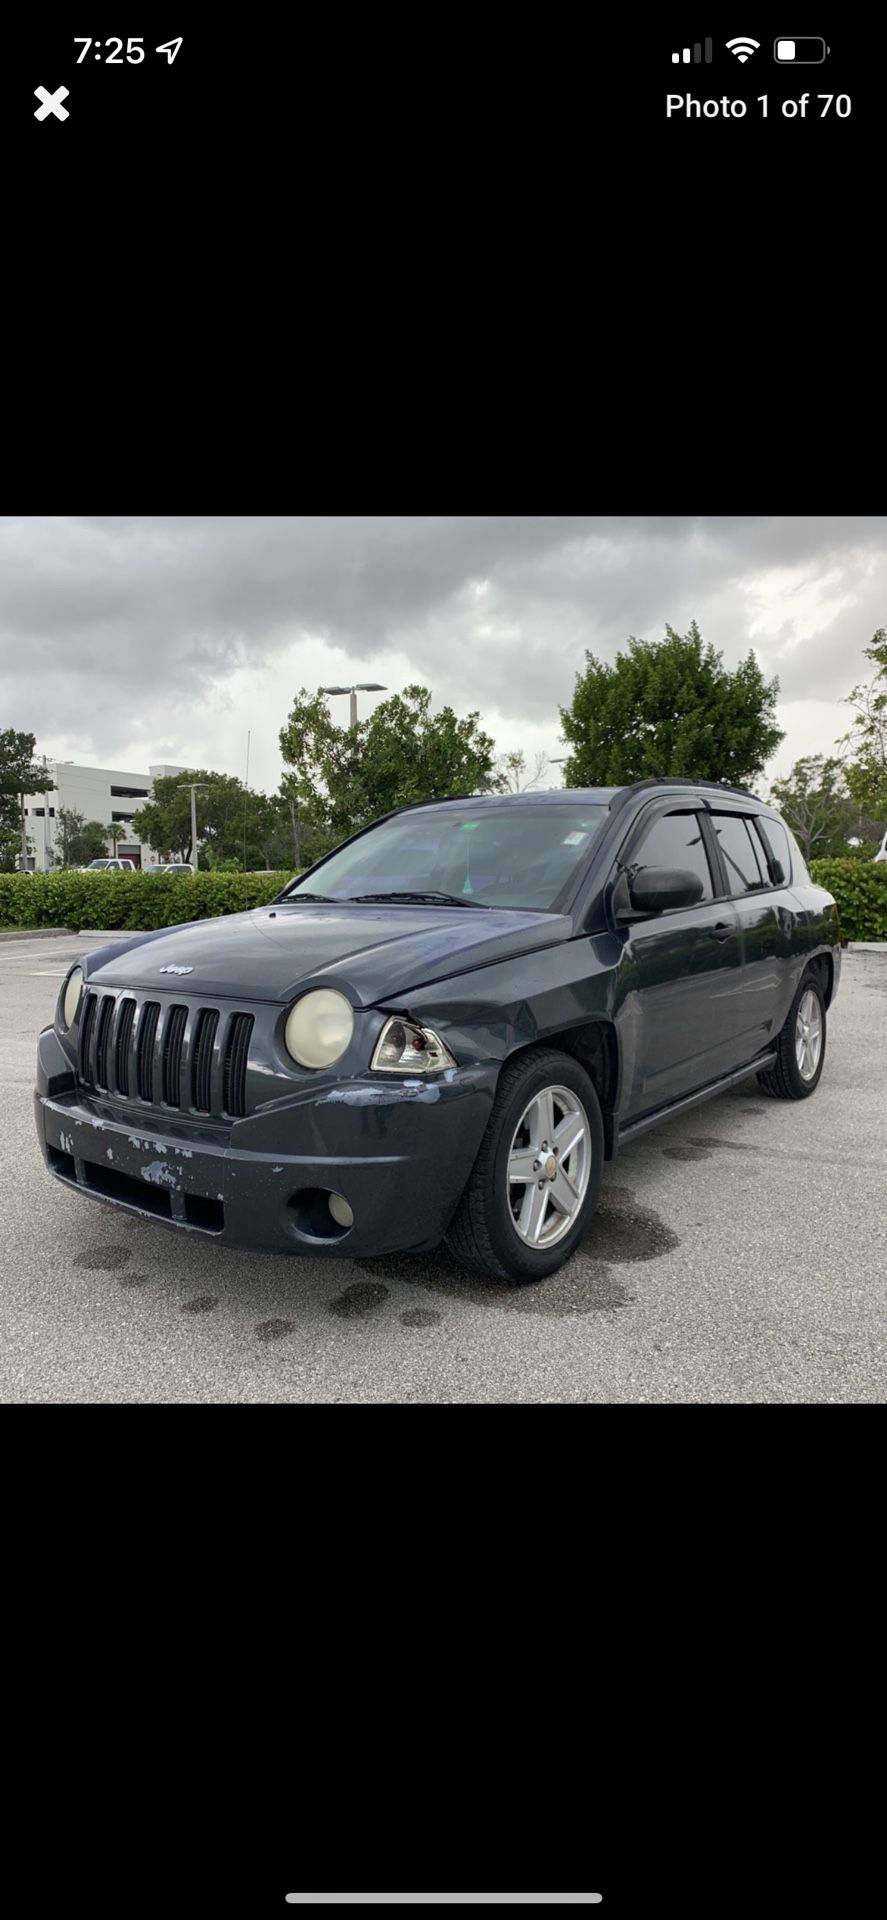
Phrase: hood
x=272 y=953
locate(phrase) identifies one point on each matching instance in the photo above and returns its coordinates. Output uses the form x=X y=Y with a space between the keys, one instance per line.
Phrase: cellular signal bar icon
x=686 y=56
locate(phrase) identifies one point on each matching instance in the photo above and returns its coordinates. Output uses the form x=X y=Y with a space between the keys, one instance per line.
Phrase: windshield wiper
x=424 y=899
x=290 y=897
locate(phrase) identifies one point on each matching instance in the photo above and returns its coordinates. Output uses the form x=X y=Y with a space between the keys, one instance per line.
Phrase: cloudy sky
x=128 y=641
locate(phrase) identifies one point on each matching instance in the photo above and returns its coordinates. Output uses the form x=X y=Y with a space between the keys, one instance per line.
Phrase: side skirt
x=634 y=1127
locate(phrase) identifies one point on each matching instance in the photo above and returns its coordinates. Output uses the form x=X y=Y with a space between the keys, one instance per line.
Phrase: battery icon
x=807 y=52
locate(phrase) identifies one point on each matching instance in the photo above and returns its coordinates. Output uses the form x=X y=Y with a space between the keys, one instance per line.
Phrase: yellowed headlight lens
x=319 y=1028
x=71 y=1000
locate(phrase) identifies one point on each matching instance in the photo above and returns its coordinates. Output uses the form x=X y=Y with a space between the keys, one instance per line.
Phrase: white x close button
x=51 y=103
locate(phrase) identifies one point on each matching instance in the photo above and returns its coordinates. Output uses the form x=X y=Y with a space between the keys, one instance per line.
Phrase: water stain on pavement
x=420 y=1317
x=132 y=1280
x=274 y=1329
x=711 y=1142
x=102 y=1259
x=623 y=1229
x=582 y=1286
x=202 y=1303
x=358 y=1300
x=686 y=1152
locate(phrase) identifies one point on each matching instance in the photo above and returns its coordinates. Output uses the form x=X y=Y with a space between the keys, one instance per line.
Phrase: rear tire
x=800 y=1047
x=501 y=1214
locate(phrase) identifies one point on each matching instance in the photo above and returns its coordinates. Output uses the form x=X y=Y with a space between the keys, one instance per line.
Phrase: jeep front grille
x=240 y=1028
x=148 y=1019
x=126 y=1014
x=187 y=1058
x=202 y=1058
x=173 y=1036
x=101 y=1040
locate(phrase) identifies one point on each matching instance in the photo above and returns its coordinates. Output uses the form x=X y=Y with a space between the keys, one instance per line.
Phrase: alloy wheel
x=549 y=1163
x=808 y=1035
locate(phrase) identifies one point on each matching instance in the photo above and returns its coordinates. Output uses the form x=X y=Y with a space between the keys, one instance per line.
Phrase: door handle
x=721 y=931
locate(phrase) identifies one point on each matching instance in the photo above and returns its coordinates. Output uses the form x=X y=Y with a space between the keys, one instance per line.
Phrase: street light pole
x=362 y=686
x=196 y=786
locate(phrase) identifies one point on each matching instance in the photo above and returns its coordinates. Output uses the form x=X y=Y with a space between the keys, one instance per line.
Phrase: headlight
x=71 y=997
x=319 y=1028
x=403 y=1047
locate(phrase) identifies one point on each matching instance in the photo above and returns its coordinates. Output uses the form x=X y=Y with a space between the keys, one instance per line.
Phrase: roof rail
x=679 y=780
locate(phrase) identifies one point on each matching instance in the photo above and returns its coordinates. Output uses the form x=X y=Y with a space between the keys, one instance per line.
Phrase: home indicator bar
x=444 y=1899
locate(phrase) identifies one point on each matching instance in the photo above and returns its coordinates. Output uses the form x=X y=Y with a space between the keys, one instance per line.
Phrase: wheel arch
x=822 y=967
x=595 y=1046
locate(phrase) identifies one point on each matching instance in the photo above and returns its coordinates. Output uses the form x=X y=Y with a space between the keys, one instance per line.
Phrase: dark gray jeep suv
x=446 y=1026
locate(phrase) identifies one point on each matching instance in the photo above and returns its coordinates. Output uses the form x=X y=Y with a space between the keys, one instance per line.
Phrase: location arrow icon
x=170 y=48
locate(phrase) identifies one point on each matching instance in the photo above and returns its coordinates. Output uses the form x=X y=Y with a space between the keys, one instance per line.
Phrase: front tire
x=535 y=1182
x=800 y=1048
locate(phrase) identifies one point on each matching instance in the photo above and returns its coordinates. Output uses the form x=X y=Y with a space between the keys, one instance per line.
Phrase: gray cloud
x=160 y=632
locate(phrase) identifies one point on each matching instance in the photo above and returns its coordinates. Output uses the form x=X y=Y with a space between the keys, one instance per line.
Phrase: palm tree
x=118 y=830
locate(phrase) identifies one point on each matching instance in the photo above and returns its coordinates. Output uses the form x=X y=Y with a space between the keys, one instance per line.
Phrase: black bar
x=697 y=53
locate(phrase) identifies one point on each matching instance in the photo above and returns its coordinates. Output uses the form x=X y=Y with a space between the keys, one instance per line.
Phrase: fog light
x=341 y=1211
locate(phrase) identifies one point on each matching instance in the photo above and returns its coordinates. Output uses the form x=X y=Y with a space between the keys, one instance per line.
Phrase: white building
x=98 y=793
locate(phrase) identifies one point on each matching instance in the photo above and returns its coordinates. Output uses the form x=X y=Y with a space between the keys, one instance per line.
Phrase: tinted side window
x=775 y=839
x=738 y=853
x=800 y=869
x=676 y=840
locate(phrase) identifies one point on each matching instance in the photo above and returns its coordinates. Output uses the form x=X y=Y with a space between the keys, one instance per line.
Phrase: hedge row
x=140 y=901
x=133 y=901
x=860 y=888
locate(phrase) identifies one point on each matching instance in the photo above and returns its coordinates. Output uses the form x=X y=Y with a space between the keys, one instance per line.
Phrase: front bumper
x=398 y=1152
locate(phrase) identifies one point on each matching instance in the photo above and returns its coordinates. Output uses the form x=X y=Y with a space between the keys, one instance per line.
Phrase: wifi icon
x=743 y=47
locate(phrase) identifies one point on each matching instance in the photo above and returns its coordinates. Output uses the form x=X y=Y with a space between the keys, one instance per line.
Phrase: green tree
x=77 y=841
x=68 y=826
x=165 y=822
x=308 y=830
x=814 y=801
x=17 y=776
x=866 y=771
x=344 y=777
x=116 y=831
x=237 y=826
x=669 y=707
x=270 y=838
x=219 y=862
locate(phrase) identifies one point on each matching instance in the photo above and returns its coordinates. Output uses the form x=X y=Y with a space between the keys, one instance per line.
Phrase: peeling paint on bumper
x=399 y=1153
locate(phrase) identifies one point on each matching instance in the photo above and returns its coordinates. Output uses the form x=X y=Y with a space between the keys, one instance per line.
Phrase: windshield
x=519 y=856
x=98 y=863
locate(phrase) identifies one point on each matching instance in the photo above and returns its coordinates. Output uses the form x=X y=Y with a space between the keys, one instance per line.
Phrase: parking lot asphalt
x=739 y=1254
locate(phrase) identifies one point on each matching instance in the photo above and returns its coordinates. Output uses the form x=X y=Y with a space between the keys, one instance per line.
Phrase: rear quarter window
x=775 y=839
x=800 y=869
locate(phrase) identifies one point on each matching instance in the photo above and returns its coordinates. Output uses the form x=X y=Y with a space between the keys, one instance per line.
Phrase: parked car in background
x=882 y=850
x=171 y=866
x=446 y=1026
x=110 y=866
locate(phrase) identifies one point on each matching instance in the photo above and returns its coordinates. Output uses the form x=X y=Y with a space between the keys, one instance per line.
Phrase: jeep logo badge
x=177 y=969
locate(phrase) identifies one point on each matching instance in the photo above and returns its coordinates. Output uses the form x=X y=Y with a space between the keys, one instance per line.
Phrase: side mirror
x=654 y=890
